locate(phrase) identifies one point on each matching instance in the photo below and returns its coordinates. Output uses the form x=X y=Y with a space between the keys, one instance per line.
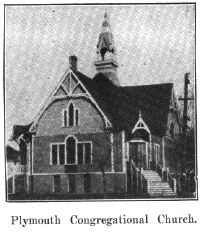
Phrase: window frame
x=58 y=155
x=65 y=152
x=66 y=116
x=91 y=148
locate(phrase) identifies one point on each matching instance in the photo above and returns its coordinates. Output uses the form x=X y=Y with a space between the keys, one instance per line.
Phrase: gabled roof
x=154 y=102
x=112 y=100
x=123 y=104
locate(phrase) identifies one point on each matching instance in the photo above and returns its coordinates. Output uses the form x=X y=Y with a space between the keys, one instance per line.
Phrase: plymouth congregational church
x=94 y=136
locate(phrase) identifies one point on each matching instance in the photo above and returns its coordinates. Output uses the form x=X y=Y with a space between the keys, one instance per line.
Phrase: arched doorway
x=139 y=144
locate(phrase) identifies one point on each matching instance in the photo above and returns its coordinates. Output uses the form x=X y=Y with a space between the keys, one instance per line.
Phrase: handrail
x=159 y=171
x=136 y=174
x=172 y=182
x=133 y=163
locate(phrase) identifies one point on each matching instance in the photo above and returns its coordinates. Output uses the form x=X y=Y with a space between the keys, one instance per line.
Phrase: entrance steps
x=157 y=187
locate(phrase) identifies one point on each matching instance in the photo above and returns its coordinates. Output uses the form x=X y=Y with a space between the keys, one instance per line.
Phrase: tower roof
x=106 y=61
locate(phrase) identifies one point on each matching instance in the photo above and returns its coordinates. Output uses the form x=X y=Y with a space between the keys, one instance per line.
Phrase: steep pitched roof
x=122 y=104
x=119 y=108
x=154 y=102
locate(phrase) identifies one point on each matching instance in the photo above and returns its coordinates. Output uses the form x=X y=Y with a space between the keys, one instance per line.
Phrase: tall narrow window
x=70 y=117
x=62 y=153
x=54 y=154
x=87 y=153
x=77 y=117
x=71 y=114
x=64 y=118
x=80 y=153
x=71 y=150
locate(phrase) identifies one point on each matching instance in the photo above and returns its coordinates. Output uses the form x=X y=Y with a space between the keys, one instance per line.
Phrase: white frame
x=51 y=98
x=84 y=142
x=66 y=123
x=58 y=157
x=76 y=151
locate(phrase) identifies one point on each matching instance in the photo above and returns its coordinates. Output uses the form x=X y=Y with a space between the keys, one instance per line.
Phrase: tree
x=104 y=158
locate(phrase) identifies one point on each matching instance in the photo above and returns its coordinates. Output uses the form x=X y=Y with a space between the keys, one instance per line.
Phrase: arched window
x=70 y=116
x=71 y=150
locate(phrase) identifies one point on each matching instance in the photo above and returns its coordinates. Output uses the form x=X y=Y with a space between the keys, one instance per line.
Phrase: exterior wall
x=101 y=149
x=118 y=160
x=171 y=157
x=115 y=183
x=50 y=122
x=91 y=128
x=20 y=183
x=42 y=184
x=158 y=141
x=172 y=118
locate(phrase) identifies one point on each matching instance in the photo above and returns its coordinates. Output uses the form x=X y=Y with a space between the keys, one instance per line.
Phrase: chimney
x=73 y=63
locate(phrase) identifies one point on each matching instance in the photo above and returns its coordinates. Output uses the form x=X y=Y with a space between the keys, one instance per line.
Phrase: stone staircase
x=157 y=187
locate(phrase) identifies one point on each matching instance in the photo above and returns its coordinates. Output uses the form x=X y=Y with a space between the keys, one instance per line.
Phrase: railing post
x=167 y=174
x=136 y=173
x=174 y=186
x=142 y=187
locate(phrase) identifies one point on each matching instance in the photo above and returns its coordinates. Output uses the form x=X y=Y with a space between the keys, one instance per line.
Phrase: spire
x=106 y=61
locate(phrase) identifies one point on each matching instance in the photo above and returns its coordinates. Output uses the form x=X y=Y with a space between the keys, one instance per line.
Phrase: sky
x=154 y=43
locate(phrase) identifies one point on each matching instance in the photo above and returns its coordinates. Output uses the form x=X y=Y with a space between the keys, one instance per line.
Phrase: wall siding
x=115 y=183
x=118 y=161
x=101 y=150
x=50 y=122
x=42 y=184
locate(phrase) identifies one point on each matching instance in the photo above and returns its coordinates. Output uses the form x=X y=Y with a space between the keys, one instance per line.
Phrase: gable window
x=70 y=116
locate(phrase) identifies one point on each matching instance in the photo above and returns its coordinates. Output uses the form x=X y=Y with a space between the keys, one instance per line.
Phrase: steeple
x=106 y=61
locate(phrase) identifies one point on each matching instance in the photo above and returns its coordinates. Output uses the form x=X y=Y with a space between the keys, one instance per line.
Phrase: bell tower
x=106 y=61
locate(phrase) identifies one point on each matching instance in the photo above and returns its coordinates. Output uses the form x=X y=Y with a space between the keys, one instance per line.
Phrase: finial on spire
x=106 y=14
x=140 y=114
x=106 y=20
x=106 y=54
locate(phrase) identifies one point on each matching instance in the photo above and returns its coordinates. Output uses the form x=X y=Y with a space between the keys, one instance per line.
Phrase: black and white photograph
x=100 y=102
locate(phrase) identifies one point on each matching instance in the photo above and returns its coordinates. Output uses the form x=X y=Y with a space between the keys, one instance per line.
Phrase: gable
x=60 y=92
x=154 y=103
x=55 y=119
x=69 y=87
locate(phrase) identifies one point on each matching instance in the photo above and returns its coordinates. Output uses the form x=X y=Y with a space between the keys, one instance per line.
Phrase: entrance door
x=138 y=154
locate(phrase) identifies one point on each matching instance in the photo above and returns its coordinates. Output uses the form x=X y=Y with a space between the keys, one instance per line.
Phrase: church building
x=94 y=136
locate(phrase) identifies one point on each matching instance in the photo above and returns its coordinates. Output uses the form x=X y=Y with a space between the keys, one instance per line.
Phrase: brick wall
x=50 y=122
x=115 y=183
x=101 y=151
